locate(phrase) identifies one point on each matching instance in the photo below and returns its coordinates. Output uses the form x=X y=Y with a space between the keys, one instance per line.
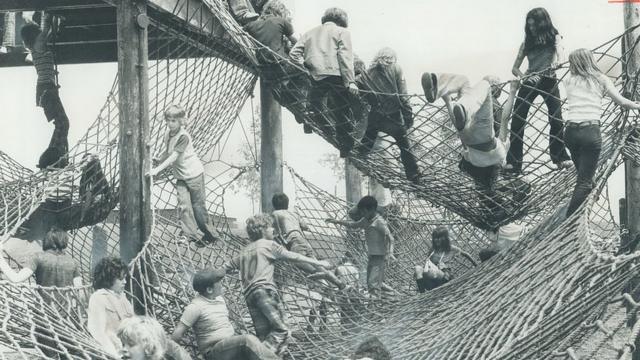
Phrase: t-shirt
x=584 y=98
x=376 y=233
x=53 y=269
x=209 y=319
x=187 y=165
x=497 y=156
x=270 y=31
x=256 y=264
x=287 y=221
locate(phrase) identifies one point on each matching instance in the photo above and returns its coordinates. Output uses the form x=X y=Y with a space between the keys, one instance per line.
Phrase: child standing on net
x=256 y=265
x=379 y=241
x=189 y=174
x=47 y=97
x=289 y=226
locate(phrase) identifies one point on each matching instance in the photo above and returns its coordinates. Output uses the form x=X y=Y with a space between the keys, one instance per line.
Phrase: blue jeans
x=585 y=144
x=192 y=196
x=246 y=347
x=267 y=314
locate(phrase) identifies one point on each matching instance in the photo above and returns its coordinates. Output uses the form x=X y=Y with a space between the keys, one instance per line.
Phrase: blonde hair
x=144 y=331
x=384 y=57
x=583 y=65
x=256 y=225
x=176 y=111
x=275 y=8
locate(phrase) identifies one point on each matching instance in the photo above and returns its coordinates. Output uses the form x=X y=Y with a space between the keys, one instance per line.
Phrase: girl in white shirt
x=586 y=86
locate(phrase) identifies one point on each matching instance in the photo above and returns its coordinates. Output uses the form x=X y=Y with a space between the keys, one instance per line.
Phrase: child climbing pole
x=36 y=39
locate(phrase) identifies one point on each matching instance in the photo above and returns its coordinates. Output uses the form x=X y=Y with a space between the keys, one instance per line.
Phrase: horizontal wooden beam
x=30 y=5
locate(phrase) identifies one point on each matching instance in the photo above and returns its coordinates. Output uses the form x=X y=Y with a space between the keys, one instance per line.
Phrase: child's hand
x=152 y=172
x=353 y=89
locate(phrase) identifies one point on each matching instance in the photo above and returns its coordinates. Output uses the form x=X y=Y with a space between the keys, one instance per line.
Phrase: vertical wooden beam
x=353 y=182
x=133 y=99
x=270 y=147
x=632 y=167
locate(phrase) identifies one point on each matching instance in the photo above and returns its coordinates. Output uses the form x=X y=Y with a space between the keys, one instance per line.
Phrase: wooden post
x=632 y=168
x=270 y=147
x=353 y=182
x=133 y=101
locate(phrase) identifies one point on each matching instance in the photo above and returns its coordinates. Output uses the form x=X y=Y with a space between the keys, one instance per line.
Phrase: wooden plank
x=270 y=147
x=30 y=5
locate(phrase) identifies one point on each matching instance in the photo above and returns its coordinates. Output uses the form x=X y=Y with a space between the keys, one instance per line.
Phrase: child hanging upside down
x=189 y=174
x=256 y=265
x=472 y=116
x=290 y=228
x=47 y=97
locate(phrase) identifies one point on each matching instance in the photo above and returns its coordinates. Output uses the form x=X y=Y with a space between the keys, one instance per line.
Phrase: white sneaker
x=4 y=50
x=28 y=59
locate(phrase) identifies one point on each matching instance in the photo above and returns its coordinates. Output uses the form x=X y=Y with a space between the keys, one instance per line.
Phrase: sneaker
x=28 y=59
x=4 y=50
x=511 y=170
x=566 y=164
x=307 y=129
x=459 y=117
x=344 y=153
x=430 y=86
x=198 y=242
x=249 y=16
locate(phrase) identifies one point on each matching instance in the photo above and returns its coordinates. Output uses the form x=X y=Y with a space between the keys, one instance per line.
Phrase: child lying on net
x=289 y=229
x=472 y=114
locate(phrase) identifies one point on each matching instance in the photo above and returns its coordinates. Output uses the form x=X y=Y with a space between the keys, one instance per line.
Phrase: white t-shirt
x=497 y=156
x=584 y=97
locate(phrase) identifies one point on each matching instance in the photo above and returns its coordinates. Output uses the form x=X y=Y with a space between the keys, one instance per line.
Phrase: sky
x=472 y=37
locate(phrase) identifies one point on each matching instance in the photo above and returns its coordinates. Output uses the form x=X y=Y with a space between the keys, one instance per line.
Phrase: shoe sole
x=459 y=117
x=429 y=83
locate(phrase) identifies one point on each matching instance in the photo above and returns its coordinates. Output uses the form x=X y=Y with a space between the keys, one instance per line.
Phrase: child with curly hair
x=256 y=265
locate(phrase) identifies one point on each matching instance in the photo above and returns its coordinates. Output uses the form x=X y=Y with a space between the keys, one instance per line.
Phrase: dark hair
x=205 y=279
x=29 y=33
x=52 y=155
x=337 y=16
x=107 y=271
x=545 y=35
x=441 y=232
x=372 y=348
x=280 y=201
x=55 y=239
x=368 y=203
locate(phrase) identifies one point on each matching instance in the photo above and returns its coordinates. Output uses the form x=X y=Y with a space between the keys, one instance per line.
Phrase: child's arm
x=40 y=44
x=615 y=95
x=447 y=102
x=297 y=52
x=465 y=254
x=168 y=161
x=558 y=56
x=515 y=70
x=350 y=224
x=12 y=275
x=506 y=110
x=345 y=61
x=389 y=237
x=301 y=259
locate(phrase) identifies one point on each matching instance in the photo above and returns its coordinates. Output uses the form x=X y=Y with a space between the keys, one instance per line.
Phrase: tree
x=249 y=182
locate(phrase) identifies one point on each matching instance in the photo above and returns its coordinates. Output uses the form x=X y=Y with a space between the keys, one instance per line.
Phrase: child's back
x=287 y=222
x=255 y=262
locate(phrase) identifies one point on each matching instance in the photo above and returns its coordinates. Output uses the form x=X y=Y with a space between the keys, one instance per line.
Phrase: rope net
x=556 y=292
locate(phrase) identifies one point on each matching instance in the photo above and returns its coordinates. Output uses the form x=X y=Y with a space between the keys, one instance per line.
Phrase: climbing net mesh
x=563 y=290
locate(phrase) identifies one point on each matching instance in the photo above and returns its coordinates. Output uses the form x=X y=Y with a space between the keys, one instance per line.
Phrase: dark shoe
x=430 y=86
x=307 y=129
x=345 y=153
x=459 y=117
x=210 y=239
x=511 y=170
x=248 y=17
x=198 y=242
x=414 y=178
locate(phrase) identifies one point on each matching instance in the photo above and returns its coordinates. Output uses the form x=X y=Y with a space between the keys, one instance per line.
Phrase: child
x=586 y=86
x=541 y=48
x=143 y=339
x=472 y=116
x=326 y=51
x=379 y=241
x=208 y=315
x=289 y=227
x=189 y=174
x=47 y=96
x=256 y=265
x=390 y=114
x=242 y=11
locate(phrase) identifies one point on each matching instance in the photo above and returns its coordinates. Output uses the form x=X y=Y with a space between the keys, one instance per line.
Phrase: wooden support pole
x=270 y=147
x=632 y=168
x=353 y=182
x=134 y=134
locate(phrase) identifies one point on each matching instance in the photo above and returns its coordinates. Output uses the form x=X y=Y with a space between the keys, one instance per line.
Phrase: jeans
x=547 y=87
x=191 y=195
x=246 y=347
x=332 y=87
x=48 y=98
x=267 y=314
x=239 y=8
x=385 y=123
x=375 y=272
x=585 y=144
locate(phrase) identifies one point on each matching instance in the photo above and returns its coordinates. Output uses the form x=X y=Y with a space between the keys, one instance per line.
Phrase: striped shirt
x=45 y=66
x=60 y=189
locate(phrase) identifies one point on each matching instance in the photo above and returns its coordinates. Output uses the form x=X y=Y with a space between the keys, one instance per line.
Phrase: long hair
x=384 y=57
x=275 y=8
x=583 y=67
x=545 y=34
x=107 y=271
x=441 y=233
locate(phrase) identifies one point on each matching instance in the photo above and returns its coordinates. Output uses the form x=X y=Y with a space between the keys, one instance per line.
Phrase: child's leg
x=242 y=10
x=375 y=273
x=187 y=220
x=269 y=312
x=449 y=84
x=9 y=36
x=197 y=191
